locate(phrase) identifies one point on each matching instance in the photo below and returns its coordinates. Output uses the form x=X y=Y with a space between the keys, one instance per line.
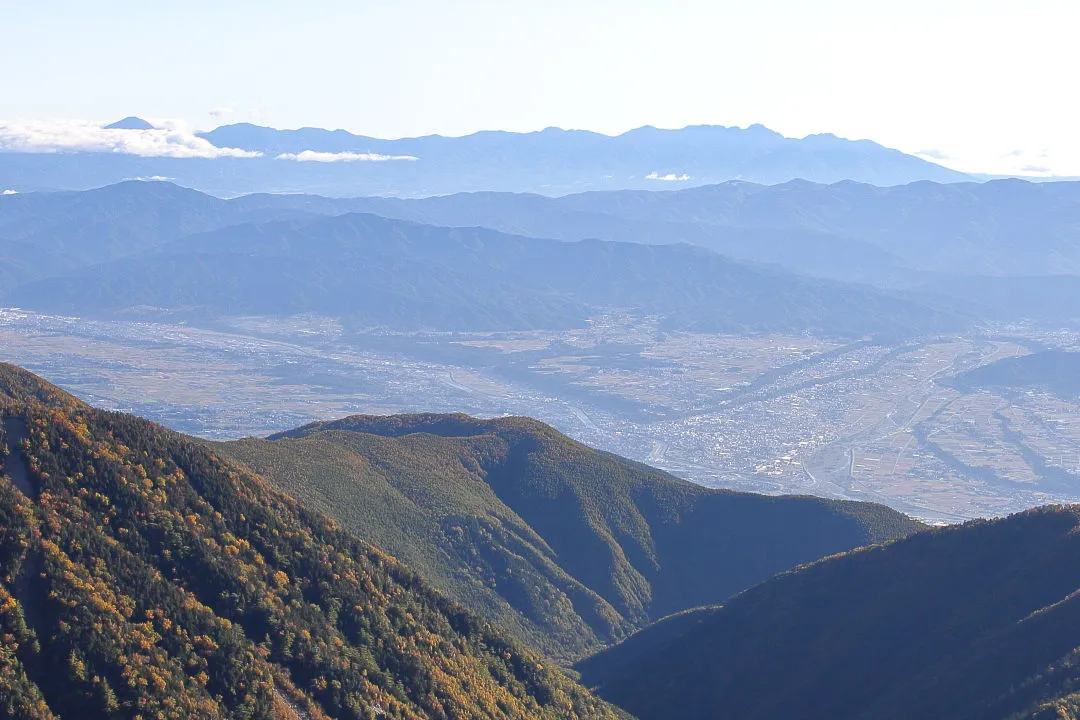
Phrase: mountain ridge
x=976 y=621
x=131 y=122
x=584 y=546
x=551 y=161
x=145 y=575
x=376 y=271
x=1003 y=248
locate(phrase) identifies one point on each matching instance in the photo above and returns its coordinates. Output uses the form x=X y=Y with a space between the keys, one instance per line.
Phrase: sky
x=979 y=85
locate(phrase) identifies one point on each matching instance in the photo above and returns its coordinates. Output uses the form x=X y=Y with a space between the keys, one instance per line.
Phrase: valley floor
x=766 y=413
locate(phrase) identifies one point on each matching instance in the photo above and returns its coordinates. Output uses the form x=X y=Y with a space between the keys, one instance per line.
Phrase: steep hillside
x=564 y=545
x=972 y=622
x=142 y=576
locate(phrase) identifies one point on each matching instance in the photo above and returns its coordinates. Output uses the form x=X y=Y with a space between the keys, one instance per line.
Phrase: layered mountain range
x=842 y=259
x=154 y=246
x=551 y=161
x=1006 y=246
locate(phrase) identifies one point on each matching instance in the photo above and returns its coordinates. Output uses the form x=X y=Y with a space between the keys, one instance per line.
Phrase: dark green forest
x=973 y=622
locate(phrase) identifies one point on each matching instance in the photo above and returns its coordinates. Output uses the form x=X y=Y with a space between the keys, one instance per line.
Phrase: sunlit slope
x=142 y=576
x=566 y=546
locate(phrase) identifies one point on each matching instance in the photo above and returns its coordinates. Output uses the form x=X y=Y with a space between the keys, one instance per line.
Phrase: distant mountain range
x=939 y=256
x=563 y=546
x=549 y=162
x=1006 y=249
x=998 y=228
x=128 y=247
x=973 y=622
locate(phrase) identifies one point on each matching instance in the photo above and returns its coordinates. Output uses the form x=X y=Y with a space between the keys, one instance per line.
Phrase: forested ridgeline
x=146 y=577
x=564 y=546
x=973 y=622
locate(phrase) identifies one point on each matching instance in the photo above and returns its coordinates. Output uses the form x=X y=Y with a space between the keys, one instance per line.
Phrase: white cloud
x=932 y=154
x=1025 y=163
x=314 y=156
x=169 y=138
x=670 y=177
x=152 y=178
x=9 y=192
x=1038 y=162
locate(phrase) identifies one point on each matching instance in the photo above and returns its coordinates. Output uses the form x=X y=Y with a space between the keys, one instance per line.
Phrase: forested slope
x=972 y=622
x=565 y=546
x=142 y=576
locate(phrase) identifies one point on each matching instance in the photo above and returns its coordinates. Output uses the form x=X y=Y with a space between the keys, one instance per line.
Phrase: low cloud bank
x=168 y=138
x=670 y=177
x=326 y=157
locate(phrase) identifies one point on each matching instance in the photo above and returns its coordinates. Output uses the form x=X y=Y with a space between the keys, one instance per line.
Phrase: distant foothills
x=841 y=260
x=245 y=158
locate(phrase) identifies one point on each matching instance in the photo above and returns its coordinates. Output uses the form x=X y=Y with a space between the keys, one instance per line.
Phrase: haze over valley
x=766 y=413
x=794 y=338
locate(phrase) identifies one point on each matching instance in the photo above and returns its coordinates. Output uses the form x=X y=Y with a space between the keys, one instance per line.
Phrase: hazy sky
x=987 y=84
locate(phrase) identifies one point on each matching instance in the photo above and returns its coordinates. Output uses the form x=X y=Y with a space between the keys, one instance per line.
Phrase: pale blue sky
x=989 y=83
